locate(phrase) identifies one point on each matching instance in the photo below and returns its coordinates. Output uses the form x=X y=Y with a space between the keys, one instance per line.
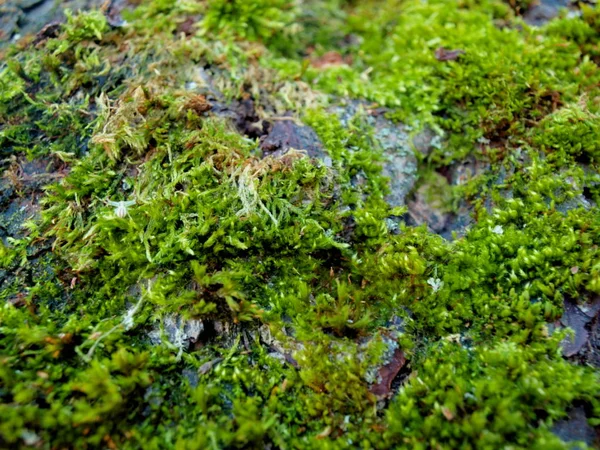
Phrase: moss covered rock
x=301 y=224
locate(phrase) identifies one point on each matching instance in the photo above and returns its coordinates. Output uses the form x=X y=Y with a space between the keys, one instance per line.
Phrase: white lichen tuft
x=127 y=322
x=248 y=195
x=128 y=318
x=177 y=332
x=435 y=283
x=498 y=229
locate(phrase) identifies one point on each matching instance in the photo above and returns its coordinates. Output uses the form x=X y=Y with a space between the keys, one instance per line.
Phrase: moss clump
x=571 y=130
x=204 y=292
x=473 y=405
x=256 y=21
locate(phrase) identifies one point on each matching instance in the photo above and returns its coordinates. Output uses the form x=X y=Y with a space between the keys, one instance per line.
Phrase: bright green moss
x=7 y=255
x=303 y=276
x=472 y=405
x=255 y=20
x=502 y=80
x=572 y=130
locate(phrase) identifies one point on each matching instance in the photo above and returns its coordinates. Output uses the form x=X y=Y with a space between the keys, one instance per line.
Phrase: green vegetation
x=300 y=280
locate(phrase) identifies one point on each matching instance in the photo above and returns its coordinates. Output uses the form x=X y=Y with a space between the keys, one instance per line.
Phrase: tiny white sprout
x=128 y=321
x=498 y=229
x=121 y=207
x=435 y=283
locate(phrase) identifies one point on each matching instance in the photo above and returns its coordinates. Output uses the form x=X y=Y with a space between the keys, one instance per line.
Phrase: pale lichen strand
x=252 y=300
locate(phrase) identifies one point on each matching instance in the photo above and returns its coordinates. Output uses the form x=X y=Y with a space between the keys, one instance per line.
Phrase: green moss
x=256 y=20
x=571 y=130
x=304 y=278
x=476 y=391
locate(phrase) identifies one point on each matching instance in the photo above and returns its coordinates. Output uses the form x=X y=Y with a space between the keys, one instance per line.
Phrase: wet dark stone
x=574 y=318
x=188 y=26
x=445 y=54
x=27 y=4
x=420 y=211
x=591 y=308
x=191 y=375
x=575 y=428
x=388 y=373
x=400 y=163
x=9 y=21
x=12 y=218
x=347 y=234
x=458 y=223
x=113 y=13
x=544 y=11
x=592 y=356
x=287 y=134
x=425 y=141
x=590 y=352
x=247 y=120
x=429 y=204
x=6 y=192
x=49 y=31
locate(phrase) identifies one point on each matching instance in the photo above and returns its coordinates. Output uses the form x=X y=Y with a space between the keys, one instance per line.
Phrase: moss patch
x=195 y=292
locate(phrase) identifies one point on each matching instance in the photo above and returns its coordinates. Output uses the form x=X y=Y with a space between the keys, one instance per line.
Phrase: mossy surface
x=168 y=281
